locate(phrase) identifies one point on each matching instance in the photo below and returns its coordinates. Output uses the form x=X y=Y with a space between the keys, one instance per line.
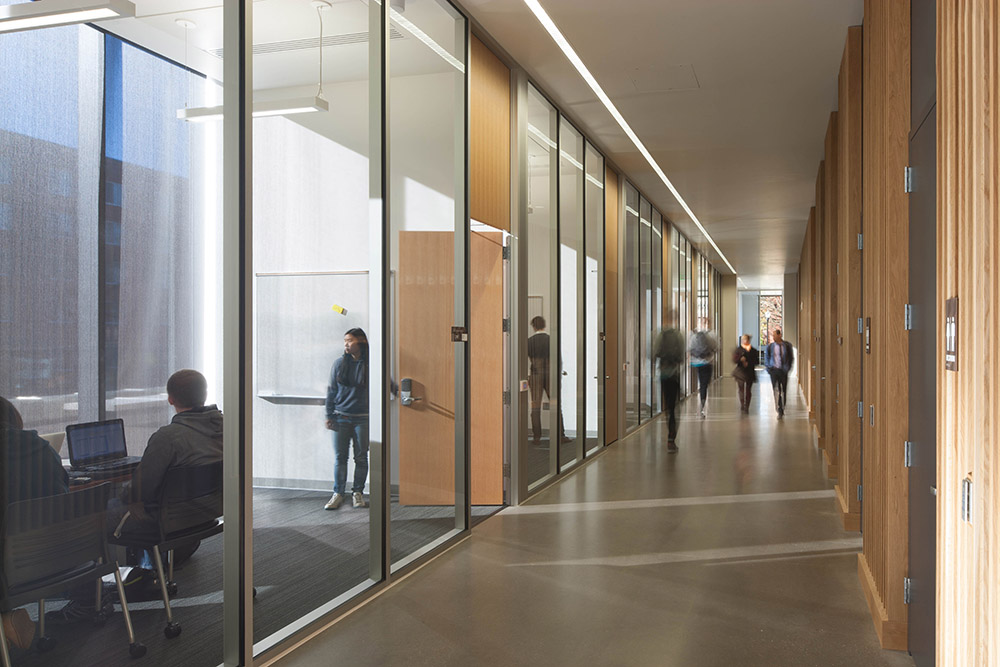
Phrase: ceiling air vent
x=309 y=43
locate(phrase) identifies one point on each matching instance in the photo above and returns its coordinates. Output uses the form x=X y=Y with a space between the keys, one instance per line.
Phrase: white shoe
x=334 y=502
x=359 y=499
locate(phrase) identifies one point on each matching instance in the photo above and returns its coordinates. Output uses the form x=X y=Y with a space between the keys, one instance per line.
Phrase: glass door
x=594 y=298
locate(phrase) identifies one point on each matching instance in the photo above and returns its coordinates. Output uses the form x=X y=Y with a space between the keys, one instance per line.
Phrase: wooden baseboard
x=851 y=520
x=891 y=634
x=832 y=465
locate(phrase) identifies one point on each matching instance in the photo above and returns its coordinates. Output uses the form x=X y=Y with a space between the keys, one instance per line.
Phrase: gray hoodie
x=192 y=437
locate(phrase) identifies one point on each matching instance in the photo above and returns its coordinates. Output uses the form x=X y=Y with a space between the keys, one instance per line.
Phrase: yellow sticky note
x=339 y=309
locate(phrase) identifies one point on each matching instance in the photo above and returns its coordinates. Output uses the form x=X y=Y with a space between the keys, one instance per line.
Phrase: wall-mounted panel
x=489 y=147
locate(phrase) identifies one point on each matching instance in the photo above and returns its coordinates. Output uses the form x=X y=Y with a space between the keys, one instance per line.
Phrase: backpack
x=702 y=345
x=669 y=347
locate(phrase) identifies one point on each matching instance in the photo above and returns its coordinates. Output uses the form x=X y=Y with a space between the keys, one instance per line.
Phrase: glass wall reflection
x=594 y=304
x=630 y=307
x=427 y=222
x=645 y=308
x=571 y=292
x=656 y=310
x=542 y=165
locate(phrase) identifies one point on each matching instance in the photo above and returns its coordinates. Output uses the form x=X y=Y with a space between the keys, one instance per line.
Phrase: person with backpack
x=746 y=357
x=668 y=349
x=703 y=348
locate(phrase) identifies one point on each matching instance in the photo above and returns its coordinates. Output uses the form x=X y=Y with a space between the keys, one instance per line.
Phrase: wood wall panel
x=849 y=280
x=489 y=141
x=819 y=310
x=830 y=336
x=611 y=311
x=882 y=564
x=968 y=217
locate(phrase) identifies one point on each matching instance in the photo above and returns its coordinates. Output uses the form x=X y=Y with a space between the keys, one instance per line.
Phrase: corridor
x=727 y=553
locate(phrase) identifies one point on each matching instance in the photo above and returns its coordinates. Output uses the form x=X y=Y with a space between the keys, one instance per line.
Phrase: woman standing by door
x=347 y=417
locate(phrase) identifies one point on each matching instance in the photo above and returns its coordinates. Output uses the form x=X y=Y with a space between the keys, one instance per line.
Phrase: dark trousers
x=704 y=377
x=779 y=380
x=745 y=389
x=671 y=388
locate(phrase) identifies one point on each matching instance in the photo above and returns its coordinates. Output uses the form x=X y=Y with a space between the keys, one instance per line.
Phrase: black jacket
x=746 y=373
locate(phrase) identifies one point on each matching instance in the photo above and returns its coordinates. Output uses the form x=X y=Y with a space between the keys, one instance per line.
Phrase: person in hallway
x=30 y=469
x=538 y=378
x=703 y=347
x=746 y=357
x=778 y=358
x=347 y=417
x=669 y=352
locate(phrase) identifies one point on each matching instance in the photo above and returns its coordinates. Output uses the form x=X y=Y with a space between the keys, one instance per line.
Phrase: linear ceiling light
x=559 y=39
x=273 y=108
x=47 y=13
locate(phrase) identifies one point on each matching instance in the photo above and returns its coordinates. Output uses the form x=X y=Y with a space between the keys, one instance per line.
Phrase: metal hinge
x=838 y=268
x=908 y=317
x=908 y=454
x=838 y=329
x=506 y=252
x=506 y=470
x=506 y=397
x=861 y=325
x=907 y=590
x=506 y=325
x=859 y=493
x=861 y=410
x=907 y=179
x=967 y=500
x=871 y=415
x=861 y=241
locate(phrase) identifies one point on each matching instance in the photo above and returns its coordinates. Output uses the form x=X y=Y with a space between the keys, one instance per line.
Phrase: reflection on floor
x=304 y=556
x=729 y=552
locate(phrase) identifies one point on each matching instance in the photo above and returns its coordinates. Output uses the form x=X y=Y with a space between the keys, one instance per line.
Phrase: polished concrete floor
x=726 y=553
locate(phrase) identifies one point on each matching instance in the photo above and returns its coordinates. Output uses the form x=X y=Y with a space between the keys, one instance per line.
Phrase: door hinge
x=506 y=252
x=838 y=329
x=838 y=268
x=506 y=396
x=907 y=590
x=861 y=241
x=908 y=317
x=859 y=493
x=861 y=410
x=506 y=470
x=908 y=454
x=871 y=415
x=506 y=325
x=967 y=500
x=907 y=179
x=861 y=325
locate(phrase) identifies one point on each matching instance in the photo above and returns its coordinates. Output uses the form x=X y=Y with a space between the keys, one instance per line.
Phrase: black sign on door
x=951 y=334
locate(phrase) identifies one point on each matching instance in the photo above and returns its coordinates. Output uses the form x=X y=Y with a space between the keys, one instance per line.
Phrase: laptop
x=97 y=449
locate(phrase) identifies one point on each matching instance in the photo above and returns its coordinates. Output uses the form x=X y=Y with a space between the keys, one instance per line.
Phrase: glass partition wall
x=572 y=363
x=138 y=237
x=594 y=299
x=631 y=324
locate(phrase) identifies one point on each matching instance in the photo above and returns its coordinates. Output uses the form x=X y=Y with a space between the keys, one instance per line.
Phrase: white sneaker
x=359 y=499
x=334 y=502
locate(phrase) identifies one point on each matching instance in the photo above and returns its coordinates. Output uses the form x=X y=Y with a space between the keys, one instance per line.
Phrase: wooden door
x=426 y=356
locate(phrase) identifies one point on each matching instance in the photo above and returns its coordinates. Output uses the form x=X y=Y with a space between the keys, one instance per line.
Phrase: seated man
x=29 y=468
x=193 y=437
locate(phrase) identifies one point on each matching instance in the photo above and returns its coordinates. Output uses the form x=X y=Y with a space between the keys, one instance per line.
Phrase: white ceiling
x=731 y=97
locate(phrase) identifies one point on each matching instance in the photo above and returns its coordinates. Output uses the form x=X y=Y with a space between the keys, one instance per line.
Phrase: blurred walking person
x=703 y=347
x=669 y=352
x=778 y=359
x=746 y=357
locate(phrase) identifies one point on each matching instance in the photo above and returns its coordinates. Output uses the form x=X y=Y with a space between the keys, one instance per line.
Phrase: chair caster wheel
x=172 y=630
x=171 y=588
x=136 y=650
x=46 y=644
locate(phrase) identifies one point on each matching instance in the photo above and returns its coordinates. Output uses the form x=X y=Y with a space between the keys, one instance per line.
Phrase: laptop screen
x=95 y=442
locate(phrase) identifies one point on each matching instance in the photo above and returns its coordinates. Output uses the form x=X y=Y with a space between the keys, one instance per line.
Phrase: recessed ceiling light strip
x=571 y=54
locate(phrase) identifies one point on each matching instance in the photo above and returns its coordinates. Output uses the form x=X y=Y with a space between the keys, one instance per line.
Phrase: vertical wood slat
x=849 y=119
x=882 y=564
x=831 y=324
x=611 y=321
x=968 y=150
x=820 y=317
x=489 y=137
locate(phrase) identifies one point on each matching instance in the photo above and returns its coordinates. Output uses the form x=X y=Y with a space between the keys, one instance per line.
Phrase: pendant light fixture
x=48 y=13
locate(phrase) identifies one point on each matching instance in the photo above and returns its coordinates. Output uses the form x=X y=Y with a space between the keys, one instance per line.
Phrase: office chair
x=189 y=508
x=51 y=545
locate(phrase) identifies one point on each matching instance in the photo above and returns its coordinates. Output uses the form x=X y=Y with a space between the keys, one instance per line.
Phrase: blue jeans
x=345 y=431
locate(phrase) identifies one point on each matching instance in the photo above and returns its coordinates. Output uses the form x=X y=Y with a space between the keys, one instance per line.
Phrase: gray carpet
x=304 y=557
